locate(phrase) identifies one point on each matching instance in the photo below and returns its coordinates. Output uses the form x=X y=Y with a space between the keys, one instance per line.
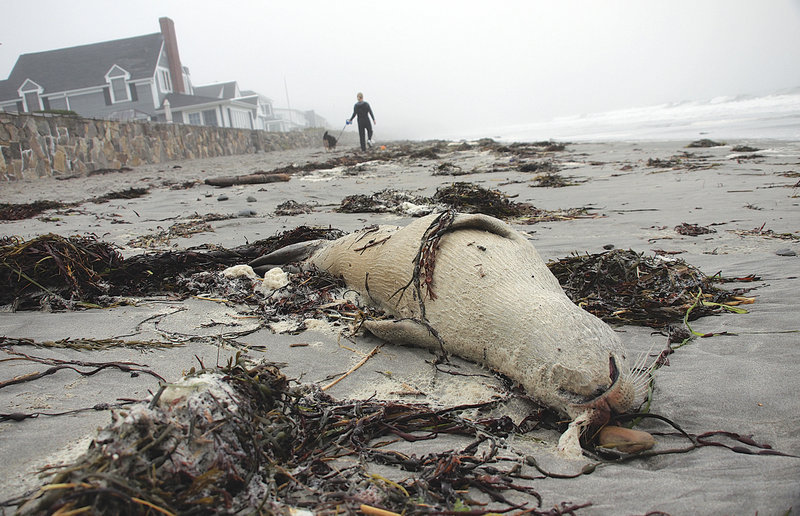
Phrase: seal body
x=473 y=286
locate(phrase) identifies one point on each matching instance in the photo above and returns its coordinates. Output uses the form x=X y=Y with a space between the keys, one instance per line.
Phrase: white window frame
x=30 y=87
x=164 y=80
x=195 y=118
x=117 y=73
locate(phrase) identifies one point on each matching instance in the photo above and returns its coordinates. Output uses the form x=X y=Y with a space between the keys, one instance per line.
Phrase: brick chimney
x=171 y=44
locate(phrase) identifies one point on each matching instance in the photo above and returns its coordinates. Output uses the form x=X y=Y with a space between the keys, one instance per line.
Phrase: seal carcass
x=473 y=286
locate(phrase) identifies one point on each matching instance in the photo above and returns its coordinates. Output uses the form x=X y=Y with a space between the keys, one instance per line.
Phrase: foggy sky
x=443 y=68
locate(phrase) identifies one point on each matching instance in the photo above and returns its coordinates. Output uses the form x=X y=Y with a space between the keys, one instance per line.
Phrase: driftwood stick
x=247 y=179
x=362 y=362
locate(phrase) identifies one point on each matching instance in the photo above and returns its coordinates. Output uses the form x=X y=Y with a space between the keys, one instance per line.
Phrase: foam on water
x=774 y=116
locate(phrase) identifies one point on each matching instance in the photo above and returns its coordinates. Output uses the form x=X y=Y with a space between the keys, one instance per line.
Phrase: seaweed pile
x=470 y=198
x=240 y=438
x=693 y=229
x=292 y=207
x=57 y=272
x=626 y=287
x=28 y=210
x=521 y=149
x=54 y=271
x=551 y=180
x=192 y=226
x=388 y=200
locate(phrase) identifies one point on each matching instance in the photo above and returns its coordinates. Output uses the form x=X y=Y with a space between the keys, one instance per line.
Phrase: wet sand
x=745 y=381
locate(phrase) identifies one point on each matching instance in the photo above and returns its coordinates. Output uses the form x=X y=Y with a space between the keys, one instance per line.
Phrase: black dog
x=328 y=141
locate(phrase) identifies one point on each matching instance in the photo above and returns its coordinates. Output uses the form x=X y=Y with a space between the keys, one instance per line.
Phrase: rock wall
x=33 y=146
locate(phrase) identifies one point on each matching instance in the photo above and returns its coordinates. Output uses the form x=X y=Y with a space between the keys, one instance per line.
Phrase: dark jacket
x=362 y=111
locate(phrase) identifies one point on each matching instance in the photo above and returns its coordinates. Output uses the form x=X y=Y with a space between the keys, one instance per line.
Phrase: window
x=164 y=80
x=194 y=119
x=119 y=90
x=117 y=78
x=32 y=101
x=210 y=117
x=30 y=91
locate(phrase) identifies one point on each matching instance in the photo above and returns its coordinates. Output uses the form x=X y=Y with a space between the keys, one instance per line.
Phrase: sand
x=744 y=382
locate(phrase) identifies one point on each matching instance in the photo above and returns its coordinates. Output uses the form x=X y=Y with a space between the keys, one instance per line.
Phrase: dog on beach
x=328 y=141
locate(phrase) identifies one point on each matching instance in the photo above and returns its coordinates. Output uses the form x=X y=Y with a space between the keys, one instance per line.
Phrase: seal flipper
x=291 y=253
x=405 y=332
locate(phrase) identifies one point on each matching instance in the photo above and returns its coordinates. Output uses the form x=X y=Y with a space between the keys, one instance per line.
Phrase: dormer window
x=117 y=78
x=30 y=93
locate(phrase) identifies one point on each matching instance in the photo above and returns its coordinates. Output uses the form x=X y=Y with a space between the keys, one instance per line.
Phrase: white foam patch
x=240 y=271
x=274 y=279
x=284 y=326
x=187 y=386
x=321 y=326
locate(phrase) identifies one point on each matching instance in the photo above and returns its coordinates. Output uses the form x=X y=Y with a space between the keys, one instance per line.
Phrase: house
x=295 y=119
x=244 y=109
x=138 y=78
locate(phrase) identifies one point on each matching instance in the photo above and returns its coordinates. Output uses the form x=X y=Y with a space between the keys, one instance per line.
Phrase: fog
x=448 y=68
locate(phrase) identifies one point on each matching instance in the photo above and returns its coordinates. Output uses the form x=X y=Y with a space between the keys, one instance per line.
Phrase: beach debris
x=551 y=180
x=192 y=226
x=626 y=287
x=522 y=149
x=129 y=193
x=471 y=198
x=89 y=344
x=250 y=198
x=704 y=142
x=54 y=272
x=223 y=197
x=83 y=368
x=766 y=233
x=32 y=209
x=745 y=148
x=247 y=179
x=785 y=252
x=239 y=271
x=384 y=201
x=27 y=210
x=241 y=437
x=672 y=162
x=447 y=168
x=684 y=160
x=693 y=229
x=542 y=167
x=291 y=207
x=247 y=212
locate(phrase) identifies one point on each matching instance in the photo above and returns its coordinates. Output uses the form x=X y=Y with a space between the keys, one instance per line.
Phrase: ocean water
x=775 y=116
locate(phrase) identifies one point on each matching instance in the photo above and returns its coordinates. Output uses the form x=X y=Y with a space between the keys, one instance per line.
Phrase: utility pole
x=286 y=88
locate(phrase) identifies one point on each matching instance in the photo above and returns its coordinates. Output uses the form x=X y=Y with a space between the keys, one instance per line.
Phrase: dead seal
x=473 y=286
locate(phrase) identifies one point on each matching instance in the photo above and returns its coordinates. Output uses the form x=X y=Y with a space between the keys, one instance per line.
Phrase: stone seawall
x=33 y=146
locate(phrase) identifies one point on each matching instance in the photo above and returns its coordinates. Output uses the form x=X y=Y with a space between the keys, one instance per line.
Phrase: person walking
x=363 y=111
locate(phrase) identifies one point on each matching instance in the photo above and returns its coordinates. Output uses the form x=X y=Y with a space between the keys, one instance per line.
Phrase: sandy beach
x=743 y=378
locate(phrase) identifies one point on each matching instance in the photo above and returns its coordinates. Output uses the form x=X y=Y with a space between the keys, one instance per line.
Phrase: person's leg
x=361 y=130
x=369 y=133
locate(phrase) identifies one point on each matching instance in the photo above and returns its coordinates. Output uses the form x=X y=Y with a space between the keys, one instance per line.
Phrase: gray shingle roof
x=179 y=100
x=223 y=90
x=84 y=66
